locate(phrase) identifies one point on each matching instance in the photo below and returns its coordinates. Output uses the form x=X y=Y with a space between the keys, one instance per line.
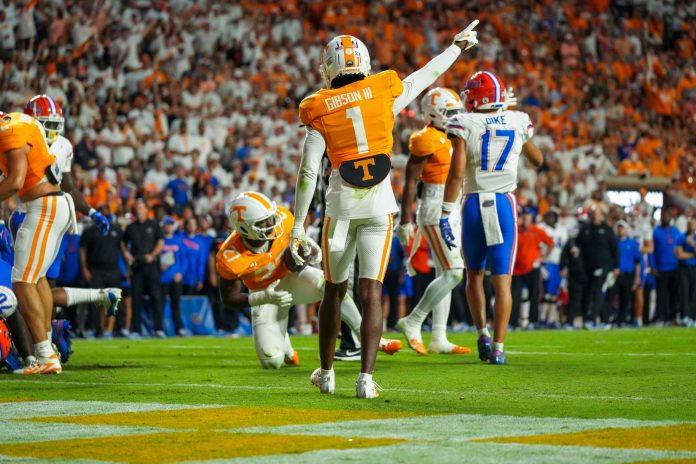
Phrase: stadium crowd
x=184 y=104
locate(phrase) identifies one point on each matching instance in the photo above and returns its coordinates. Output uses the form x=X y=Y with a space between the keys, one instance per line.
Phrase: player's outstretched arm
x=232 y=296
x=312 y=151
x=428 y=74
x=533 y=154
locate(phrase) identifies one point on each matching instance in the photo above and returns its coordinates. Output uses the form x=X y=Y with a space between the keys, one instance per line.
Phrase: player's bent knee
x=272 y=362
x=453 y=277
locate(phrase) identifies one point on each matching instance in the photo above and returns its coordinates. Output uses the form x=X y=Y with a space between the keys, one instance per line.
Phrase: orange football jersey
x=18 y=130
x=431 y=141
x=356 y=120
x=257 y=270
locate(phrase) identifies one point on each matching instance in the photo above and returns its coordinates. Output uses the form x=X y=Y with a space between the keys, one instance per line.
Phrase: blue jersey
x=180 y=191
x=69 y=272
x=629 y=255
x=195 y=259
x=172 y=259
x=665 y=240
x=5 y=274
x=686 y=246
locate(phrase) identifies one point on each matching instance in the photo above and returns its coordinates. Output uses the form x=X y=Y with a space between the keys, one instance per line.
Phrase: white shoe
x=160 y=334
x=49 y=365
x=367 y=388
x=412 y=334
x=447 y=347
x=326 y=383
x=109 y=298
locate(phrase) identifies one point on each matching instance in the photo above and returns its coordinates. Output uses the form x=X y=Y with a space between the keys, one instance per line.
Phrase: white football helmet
x=255 y=217
x=344 y=55
x=8 y=302
x=439 y=104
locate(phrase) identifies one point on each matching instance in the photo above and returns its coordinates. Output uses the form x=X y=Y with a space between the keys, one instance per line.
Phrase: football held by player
x=488 y=141
x=352 y=118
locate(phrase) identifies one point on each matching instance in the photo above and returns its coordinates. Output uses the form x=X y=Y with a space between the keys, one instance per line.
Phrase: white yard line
x=402 y=390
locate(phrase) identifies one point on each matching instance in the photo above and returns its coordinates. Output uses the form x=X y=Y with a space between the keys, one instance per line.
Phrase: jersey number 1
x=355 y=115
x=497 y=134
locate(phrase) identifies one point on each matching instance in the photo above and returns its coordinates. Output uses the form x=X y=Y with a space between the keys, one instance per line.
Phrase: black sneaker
x=347 y=355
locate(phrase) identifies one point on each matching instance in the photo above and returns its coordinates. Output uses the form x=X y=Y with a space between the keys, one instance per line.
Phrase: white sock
x=437 y=291
x=81 y=295
x=364 y=376
x=483 y=331
x=498 y=346
x=49 y=335
x=43 y=349
x=28 y=360
x=440 y=315
x=326 y=372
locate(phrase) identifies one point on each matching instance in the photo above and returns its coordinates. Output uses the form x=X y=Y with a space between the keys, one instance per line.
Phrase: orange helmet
x=48 y=112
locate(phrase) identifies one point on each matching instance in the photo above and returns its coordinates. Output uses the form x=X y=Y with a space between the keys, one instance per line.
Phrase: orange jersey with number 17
x=356 y=120
x=18 y=130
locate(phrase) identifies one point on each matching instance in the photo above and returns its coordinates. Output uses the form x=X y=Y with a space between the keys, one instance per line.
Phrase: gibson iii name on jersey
x=345 y=98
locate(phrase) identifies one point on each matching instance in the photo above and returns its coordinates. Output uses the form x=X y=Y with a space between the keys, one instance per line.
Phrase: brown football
x=290 y=262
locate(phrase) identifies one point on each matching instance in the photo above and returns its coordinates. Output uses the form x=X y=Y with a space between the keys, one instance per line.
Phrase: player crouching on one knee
x=254 y=255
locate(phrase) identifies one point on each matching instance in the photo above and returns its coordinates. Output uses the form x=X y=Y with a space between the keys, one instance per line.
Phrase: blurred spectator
x=665 y=238
x=141 y=245
x=598 y=248
x=179 y=188
x=686 y=252
x=196 y=257
x=530 y=238
x=173 y=265
x=99 y=261
x=630 y=268
x=573 y=269
x=551 y=271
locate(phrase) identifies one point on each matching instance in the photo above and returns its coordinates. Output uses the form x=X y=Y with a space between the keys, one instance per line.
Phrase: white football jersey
x=63 y=151
x=493 y=146
x=559 y=235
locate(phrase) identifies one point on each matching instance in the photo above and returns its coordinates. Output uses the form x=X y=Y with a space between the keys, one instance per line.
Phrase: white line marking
x=401 y=390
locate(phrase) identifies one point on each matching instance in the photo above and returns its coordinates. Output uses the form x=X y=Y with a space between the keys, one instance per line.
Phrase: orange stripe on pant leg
x=35 y=241
x=46 y=239
x=325 y=247
x=386 y=251
x=436 y=235
x=431 y=244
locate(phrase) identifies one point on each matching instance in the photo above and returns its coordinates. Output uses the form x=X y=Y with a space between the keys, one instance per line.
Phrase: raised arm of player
x=425 y=76
x=16 y=172
x=533 y=154
x=312 y=152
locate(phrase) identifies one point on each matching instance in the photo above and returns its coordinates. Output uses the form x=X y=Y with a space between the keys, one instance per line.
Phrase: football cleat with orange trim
x=390 y=346
x=412 y=335
x=294 y=360
x=448 y=348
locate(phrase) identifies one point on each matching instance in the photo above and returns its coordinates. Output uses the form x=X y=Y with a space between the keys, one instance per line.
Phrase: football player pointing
x=253 y=255
x=487 y=144
x=353 y=118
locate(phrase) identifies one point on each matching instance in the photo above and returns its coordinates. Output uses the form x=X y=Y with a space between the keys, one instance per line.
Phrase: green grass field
x=614 y=396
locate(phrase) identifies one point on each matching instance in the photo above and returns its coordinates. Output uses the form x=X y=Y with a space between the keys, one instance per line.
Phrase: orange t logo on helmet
x=239 y=209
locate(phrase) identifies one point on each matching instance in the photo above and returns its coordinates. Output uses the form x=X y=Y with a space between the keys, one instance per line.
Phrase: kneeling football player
x=255 y=255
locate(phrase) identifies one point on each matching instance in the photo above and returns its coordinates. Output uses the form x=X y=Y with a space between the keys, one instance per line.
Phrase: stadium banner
x=196 y=317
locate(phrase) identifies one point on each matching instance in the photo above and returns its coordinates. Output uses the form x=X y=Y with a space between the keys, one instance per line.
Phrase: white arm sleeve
x=312 y=152
x=425 y=76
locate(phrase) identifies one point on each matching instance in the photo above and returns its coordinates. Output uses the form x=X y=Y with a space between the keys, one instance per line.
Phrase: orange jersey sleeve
x=434 y=143
x=234 y=261
x=17 y=131
x=356 y=120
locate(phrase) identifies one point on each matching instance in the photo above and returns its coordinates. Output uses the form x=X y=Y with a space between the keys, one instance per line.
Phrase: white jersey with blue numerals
x=493 y=146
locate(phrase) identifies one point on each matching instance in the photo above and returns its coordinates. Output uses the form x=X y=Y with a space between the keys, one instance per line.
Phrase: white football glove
x=298 y=238
x=270 y=295
x=404 y=232
x=510 y=98
x=315 y=255
x=468 y=35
